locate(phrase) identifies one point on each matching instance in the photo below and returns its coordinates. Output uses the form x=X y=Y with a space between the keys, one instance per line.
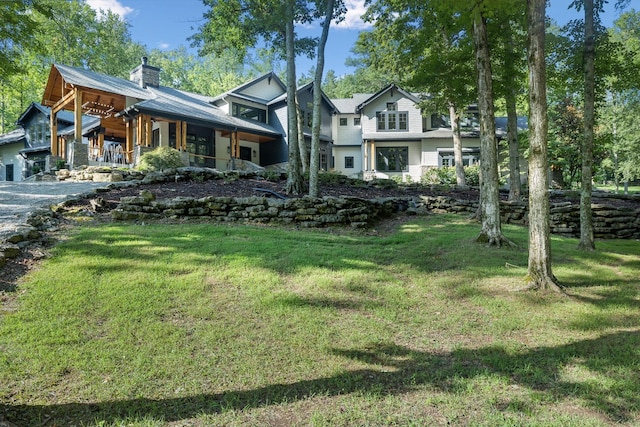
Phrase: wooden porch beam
x=63 y=101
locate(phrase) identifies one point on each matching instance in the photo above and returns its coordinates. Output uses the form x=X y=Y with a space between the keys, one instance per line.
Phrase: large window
x=392 y=159
x=391 y=119
x=251 y=113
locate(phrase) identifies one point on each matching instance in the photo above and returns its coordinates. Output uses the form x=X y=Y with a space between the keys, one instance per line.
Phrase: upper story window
x=356 y=121
x=251 y=113
x=343 y=121
x=392 y=120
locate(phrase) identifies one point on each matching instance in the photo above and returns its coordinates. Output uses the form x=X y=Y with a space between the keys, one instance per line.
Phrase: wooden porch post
x=77 y=109
x=53 y=124
x=184 y=136
x=147 y=131
x=234 y=144
x=129 y=141
x=373 y=155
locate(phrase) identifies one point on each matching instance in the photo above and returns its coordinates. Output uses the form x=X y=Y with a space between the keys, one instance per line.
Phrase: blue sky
x=166 y=24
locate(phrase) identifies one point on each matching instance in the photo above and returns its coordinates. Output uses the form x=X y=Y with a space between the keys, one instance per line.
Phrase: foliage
x=447 y=176
x=216 y=325
x=99 y=41
x=161 y=158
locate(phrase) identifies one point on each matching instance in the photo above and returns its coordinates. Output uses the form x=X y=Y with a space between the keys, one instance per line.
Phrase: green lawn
x=633 y=189
x=199 y=325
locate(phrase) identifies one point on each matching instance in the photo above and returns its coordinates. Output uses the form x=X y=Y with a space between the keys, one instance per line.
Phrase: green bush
x=161 y=158
x=447 y=176
x=472 y=175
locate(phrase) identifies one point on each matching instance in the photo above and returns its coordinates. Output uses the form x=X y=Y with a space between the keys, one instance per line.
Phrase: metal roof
x=12 y=137
x=90 y=79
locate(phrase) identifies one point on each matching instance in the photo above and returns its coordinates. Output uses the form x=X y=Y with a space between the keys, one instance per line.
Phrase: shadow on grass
x=398 y=370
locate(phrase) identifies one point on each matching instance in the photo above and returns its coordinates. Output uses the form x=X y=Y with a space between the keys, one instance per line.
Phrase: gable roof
x=391 y=88
x=349 y=105
x=62 y=116
x=238 y=91
x=90 y=79
x=162 y=100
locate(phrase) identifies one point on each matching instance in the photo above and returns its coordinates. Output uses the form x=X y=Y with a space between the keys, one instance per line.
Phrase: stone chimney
x=145 y=75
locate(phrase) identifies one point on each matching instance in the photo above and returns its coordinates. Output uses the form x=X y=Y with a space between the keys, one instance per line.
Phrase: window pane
x=356 y=121
x=380 y=117
x=348 y=162
x=403 y=121
x=392 y=159
x=343 y=121
x=391 y=106
x=392 y=122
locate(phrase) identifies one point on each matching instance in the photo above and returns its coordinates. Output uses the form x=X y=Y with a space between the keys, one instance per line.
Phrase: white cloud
x=164 y=46
x=353 y=19
x=113 y=5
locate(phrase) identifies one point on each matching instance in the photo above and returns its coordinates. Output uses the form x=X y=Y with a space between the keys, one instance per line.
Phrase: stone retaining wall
x=609 y=222
x=305 y=211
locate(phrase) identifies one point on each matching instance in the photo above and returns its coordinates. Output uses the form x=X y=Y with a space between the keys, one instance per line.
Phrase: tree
x=491 y=229
x=314 y=165
x=509 y=33
x=241 y=25
x=98 y=41
x=586 y=217
x=429 y=46
x=539 y=272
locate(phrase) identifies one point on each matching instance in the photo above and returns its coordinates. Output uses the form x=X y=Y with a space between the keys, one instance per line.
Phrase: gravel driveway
x=18 y=199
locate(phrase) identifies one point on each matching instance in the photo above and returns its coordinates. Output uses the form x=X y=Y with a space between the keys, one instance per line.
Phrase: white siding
x=369 y=125
x=339 y=154
x=266 y=88
x=9 y=155
x=349 y=134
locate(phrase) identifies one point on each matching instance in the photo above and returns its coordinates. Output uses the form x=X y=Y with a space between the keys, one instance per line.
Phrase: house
x=386 y=134
x=245 y=124
x=23 y=152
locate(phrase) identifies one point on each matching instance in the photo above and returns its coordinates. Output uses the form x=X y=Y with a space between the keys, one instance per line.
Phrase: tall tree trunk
x=491 y=231
x=295 y=180
x=539 y=270
x=454 y=117
x=586 y=217
x=515 y=186
x=314 y=164
x=302 y=144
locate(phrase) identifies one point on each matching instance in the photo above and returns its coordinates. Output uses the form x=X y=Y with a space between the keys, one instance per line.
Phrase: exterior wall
x=369 y=124
x=431 y=149
x=339 y=154
x=266 y=89
x=346 y=135
x=305 y=99
x=9 y=155
x=222 y=144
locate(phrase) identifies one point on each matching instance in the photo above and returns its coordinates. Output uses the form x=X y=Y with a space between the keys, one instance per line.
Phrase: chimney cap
x=144 y=60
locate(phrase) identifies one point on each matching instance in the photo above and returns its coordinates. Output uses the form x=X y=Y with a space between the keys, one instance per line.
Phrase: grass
x=203 y=325
x=633 y=189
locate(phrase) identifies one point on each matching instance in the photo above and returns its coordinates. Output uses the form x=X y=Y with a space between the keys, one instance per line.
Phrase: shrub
x=472 y=175
x=161 y=158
